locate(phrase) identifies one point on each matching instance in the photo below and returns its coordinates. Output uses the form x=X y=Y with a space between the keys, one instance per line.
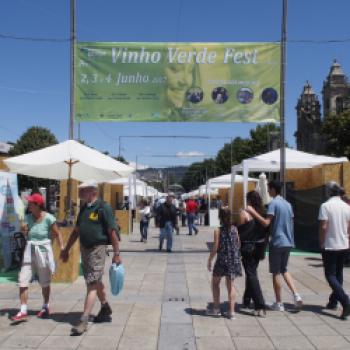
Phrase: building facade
x=335 y=100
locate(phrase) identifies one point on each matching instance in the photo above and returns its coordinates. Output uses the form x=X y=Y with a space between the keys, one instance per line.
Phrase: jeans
x=190 y=222
x=144 y=229
x=166 y=232
x=252 y=285
x=183 y=220
x=201 y=218
x=333 y=263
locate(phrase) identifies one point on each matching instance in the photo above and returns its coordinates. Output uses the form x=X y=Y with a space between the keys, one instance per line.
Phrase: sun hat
x=89 y=183
x=36 y=198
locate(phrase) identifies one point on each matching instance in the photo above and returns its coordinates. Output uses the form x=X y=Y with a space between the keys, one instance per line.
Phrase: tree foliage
x=33 y=139
x=336 y=134
x=262 y=139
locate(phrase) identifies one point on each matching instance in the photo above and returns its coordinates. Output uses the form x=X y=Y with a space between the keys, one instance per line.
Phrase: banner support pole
x=72 y=67
x=282 y=94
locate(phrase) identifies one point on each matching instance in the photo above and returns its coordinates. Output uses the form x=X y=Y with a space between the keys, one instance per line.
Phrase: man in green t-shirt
x=96 y=227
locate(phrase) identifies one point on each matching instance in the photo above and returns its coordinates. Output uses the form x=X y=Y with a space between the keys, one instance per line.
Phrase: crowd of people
x=245 y=242
x=95 y=228
x=167 y=215
x=238 y=245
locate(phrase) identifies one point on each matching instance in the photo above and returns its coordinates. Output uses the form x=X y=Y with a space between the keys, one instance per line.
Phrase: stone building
x=335 y=100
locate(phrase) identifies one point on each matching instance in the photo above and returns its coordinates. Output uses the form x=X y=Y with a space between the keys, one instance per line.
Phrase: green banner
x=177 y=82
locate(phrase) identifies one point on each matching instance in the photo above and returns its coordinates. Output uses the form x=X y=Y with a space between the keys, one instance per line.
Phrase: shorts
x=29 y=270
x=278 y=259
x=93 y=261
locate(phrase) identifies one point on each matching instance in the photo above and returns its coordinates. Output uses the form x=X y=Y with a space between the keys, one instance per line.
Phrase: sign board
x=177 y=82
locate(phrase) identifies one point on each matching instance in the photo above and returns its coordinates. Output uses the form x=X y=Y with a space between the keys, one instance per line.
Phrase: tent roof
x=226 y=179
x=52 y=163
x=294 y=160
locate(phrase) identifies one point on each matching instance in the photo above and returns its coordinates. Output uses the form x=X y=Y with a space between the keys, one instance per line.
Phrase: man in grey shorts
x=96 y=227
x=280 y=216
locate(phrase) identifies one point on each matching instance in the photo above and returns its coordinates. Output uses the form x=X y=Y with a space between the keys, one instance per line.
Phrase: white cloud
x=139 y=166
x=190 y=154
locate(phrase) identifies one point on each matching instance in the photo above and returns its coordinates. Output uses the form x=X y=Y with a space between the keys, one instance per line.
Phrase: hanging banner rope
x=177 y=82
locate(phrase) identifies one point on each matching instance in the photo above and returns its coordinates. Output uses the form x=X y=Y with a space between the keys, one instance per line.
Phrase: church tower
x=309 y=122
x=336 y=91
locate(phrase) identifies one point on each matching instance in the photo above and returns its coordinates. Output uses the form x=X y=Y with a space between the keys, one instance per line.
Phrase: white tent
x=224 y=181
x=270 y=162
x=68 y=159
x=141 y=187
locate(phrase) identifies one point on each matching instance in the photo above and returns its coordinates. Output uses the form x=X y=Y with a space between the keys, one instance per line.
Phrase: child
x=228 y=262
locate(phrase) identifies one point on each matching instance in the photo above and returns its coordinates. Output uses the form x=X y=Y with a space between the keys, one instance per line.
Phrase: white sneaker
x=213 y=312
x=231 y=316
x=298 y=302
x=277 y=307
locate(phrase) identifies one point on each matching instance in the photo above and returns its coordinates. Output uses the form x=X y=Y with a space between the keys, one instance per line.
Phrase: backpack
x=100 y=212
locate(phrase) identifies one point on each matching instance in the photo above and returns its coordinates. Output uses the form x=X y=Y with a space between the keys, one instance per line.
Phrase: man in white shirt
x=334 y=217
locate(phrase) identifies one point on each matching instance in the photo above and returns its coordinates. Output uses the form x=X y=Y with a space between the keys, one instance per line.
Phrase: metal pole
x=72 y=68
x=282 y=101
x=120 y=147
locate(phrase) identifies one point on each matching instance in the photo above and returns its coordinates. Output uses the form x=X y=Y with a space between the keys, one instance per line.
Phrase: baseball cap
x=36 y=198
x=89 y=183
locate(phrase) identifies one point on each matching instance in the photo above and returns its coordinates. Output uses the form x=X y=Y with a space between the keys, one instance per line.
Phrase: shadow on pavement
x=196 y=312
x=315 y=265
x=203 y=312
x=69 y=317
x=155 y=250
x=313 y=258
x=317 y=309
x=66 y=317
x=13 y=311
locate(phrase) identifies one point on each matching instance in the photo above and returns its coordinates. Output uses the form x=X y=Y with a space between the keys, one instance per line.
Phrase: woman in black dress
x=252 y=235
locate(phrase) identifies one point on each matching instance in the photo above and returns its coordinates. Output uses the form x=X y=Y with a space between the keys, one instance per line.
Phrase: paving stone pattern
x=163 y=307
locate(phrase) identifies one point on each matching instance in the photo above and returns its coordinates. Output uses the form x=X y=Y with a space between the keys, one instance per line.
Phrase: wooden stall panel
x=67 y=272
x=123 y=220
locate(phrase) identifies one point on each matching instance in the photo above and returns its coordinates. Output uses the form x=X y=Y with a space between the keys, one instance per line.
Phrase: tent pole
x=282 y=101
x=69 y=193
x=72 y=68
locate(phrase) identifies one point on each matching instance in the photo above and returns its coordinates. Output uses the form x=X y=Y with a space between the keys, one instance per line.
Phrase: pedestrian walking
x=280 y=216
x=167 y=218
x=252 y=235
x=145 y=212
x=182 y=208
x=39 y=228
x=228 y=262
x=191 y=210
x=95 y=227
x=334 y=217
x=203 y=210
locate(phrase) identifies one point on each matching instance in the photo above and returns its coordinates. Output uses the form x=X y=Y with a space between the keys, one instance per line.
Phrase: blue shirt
x=282 y=233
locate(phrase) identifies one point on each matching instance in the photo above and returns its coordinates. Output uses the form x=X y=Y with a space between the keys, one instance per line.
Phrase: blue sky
x=34 y=76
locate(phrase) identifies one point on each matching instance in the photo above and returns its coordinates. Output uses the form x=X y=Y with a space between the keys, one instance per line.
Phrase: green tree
x=33 y=139
x=264 y=138
x=336 y=133
x=121 y=159
x=239 y=150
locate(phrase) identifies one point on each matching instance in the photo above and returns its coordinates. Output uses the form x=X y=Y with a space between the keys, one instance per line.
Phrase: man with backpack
x=96 y=227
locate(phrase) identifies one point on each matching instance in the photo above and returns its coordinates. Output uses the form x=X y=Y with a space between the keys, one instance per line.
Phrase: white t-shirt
x=337 y=214
x=145 y=212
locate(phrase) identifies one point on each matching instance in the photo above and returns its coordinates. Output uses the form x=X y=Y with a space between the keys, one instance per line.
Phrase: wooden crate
x=67 y=272
x=123 y=220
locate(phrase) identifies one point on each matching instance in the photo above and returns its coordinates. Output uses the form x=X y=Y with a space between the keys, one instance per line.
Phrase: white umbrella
x=69 y=159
